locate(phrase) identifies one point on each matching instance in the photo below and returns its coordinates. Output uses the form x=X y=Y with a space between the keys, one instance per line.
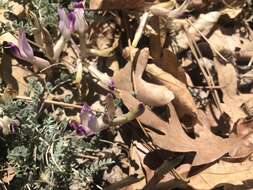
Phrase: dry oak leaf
x=204 y=24
x=228 y=82
x=169 y=64
x=148 y=93
x=168 y=61
x=246 y=49
x=171 y=136
x=227 y=78
x=230 y=40
x=166 y=9
x=8 y=37
x=156 y=39
x=244 y=130
x=137 y=154
x=229 y=3
x=232 y=12
x=184 y=103
x=235 y=176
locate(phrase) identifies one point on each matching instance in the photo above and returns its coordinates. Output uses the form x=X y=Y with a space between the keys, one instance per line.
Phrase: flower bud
x=81 y=24
x=66 y=23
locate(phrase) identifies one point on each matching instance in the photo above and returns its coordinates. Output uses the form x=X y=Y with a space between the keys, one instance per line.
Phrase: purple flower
x=73 y=21
x=78 y=128
x=88 y=119
x=14 y=127
x=80 y=25
x=88 y=123
x=66 y=23
x=81 y=130
x=86 y=108
x=111 y=85
x=23 y=51
x=78 y=4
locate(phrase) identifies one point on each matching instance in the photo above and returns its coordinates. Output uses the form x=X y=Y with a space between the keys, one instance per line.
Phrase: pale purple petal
x=14 y=50
x=92 y=124
x=78 y=4
x=24 y=47
x=85 y=109
x=81 y=131
x=63 y=19
x=85 y=114
x=64 y=23
x=80 y=24
x=88 y=120
x=72 y=20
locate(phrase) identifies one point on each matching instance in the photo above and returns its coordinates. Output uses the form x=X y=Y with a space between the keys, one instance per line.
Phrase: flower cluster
x=25 y=52
x=73 y=21
x=88 y=123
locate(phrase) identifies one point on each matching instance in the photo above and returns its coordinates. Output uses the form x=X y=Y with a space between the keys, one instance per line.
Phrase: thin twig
x=139 y=31
x=206 y=87
x=204 y=37
x=52 y=156
x=126 y=26
x=87 y=156
x=206 y=73
x=53 y=65
x=66 y=105
x=166 y=167
x=211 y=82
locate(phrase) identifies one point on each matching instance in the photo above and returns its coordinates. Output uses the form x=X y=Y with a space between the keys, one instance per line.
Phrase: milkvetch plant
x=25 y=52
x=44 y=151
x=71 y=22
x=46 y=148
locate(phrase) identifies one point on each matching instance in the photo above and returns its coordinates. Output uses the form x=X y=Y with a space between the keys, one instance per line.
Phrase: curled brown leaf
x=171 y=136
x=183 y=101
x=151 y=94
